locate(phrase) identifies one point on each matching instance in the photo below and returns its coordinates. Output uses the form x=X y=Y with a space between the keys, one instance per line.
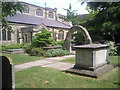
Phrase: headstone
x=7 y=73
x=91 y=60
x=0 y=73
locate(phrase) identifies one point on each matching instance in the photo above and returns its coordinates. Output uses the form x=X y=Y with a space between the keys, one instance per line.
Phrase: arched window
x=9 y=34
x=26 y=9
x=54 y=35
x=50 y=15
x=61 y=35
x=4 y=35
x=39 y=12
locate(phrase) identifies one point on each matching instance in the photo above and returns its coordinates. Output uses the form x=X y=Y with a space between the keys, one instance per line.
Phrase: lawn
x=50 y=78
x=113 y=60
x=19 y=59
x=39 y=77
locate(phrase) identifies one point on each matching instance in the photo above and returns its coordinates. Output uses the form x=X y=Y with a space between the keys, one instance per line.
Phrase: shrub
x=57 y=43
x=42 y=39
x=55 y=53
x=0 y=48
x=16 y=46
x=54 y=43
x=27 y=48
x=37 y=52
x=79 y=38
x=33 y=51
x=3 y=48
x=11 y=46
x=113 y=48
x=61 y=42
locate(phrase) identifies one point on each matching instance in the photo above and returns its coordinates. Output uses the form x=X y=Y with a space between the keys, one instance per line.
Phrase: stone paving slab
x=60 y=65
x=56 y=59
x=47 y=62
x=30 y=64
x=68 y=56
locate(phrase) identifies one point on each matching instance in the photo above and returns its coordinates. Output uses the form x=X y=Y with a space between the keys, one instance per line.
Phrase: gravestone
x=7 y=73
x=91 y=60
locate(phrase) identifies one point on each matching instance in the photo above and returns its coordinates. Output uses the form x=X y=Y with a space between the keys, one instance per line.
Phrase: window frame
x=51 y=15
x=39 y=12
x=4 y=34
x=26 y=9
x=8 y=35
x=61 y=35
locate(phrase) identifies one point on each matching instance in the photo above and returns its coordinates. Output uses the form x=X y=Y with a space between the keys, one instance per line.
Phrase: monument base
x=92 y=73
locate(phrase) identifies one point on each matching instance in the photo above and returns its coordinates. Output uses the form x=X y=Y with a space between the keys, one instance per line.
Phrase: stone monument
x=88 y=40
x=7 y=73
x=91 y=60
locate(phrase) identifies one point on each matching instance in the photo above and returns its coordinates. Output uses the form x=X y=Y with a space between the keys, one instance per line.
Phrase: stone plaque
x=7 y=73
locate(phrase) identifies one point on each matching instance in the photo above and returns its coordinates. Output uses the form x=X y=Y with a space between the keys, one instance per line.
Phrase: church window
x=26 y=9
x=50 y=15
x=39 y=12
x=61 y=35
x=4 y=35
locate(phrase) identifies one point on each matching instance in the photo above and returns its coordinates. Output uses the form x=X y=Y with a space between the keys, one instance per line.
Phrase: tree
x=9 y=9
x=71 y=16
x=105 y=20
x=79 y=38
x=42 y=39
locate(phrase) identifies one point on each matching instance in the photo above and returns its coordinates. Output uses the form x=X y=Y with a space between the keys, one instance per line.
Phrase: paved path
x=47 y=62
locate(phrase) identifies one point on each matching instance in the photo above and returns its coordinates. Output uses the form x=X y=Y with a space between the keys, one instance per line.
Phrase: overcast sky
x=60 y=4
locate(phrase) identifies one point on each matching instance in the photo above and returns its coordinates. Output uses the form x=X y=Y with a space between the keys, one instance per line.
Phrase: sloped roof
x=33 y=20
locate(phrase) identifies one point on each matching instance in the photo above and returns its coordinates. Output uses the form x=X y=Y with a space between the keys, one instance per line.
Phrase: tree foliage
x=42 y=39
x=104 y=20
x=9 y=9
x=71 y=16
x=79 y=38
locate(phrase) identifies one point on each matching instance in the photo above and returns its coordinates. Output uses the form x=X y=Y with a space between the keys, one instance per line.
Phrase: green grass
x=69 y=60
x=50 y=78
x=39 y=77
x=113 y=60
x=19 y=59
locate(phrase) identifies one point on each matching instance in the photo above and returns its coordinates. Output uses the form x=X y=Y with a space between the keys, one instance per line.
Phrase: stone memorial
x=91 y=60
x=67 y=42
x=7 y=73
x=0 y=73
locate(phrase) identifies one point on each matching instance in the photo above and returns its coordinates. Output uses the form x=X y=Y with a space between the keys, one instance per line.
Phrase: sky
x=60 y=4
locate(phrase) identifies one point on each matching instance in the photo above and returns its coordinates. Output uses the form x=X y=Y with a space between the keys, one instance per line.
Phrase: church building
x=25 y=25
